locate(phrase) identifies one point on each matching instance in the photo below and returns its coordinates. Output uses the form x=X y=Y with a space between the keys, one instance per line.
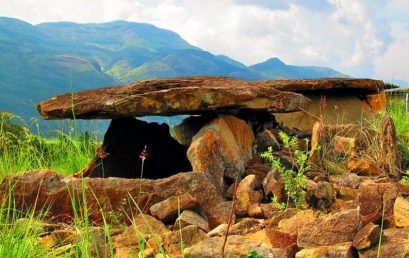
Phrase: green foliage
x=295 y=180
x=277 y=204
x=254 y=254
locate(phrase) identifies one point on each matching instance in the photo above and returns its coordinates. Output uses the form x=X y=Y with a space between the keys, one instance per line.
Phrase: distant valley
x=40 y=61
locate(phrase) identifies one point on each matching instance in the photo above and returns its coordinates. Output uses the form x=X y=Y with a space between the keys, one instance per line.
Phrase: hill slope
x=37 y=62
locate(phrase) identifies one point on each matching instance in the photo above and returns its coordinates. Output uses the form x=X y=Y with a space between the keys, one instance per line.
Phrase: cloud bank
x=363 y=38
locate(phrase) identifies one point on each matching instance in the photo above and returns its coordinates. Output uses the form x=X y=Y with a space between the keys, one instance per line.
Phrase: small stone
x=273 y=184
x=255 y=211
x=367 y=236
x=218 y=231
x=189 y=217
x=245 y=195
x=147 y=253
x=345 y=193
x=185 y=237
x=338 y=228
x=268 y=209
x=169 y=208
x=401 y=212
x=280 y=215
x=64 y=236
x=335 y=251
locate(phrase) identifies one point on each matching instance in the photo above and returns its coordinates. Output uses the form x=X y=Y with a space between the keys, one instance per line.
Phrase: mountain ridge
x=43 y=60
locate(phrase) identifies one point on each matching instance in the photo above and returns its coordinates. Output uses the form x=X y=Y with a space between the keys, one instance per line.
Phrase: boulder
x=372 y=198
x=390 y=154
x=221 y=149
x=169 y=208
x=201 y=94
x=296 y=223
x=335 y=229
x=280 y=239
x=44 y=188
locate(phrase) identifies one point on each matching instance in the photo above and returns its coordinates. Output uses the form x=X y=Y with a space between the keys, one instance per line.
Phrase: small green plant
x=254 y=254
x=295 y=180
x=279 y=205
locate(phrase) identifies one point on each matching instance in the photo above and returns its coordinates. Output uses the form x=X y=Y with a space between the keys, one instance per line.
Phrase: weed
x=295 y=180
x=254 y=254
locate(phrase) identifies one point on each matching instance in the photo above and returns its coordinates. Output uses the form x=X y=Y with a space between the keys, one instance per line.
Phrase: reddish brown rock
x=222 y=148
x=390 y=154
x=280 y=215
x=245 y=195
x=335 y=229
x=54 y=191
x=395 y=244
x=189 y=217
x=296 y=223
x=245 y=226
x=364 y=167
x=170 y=207
x=188 y=236
x=372 y=197
x=344 y=250
x=367 y=236
x=273 y=184
x=236 y=247
x=162 y=97
x=280 y=239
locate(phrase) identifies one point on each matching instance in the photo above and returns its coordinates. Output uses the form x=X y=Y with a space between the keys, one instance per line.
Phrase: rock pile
x=222 y=198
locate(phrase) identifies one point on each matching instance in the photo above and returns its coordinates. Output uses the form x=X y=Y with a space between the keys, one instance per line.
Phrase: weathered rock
x=170 y=207
x=364 y=167
x=265 y=139
x=162 y=97
x=142 y=227
x=236 y=247
x=395 y=244
x=185 y=237
x=401 y=212
x=321 y=195
x=245 y=226
x=273 y=184
x=245 y=195
x=335 y=229
x=220 y=230
x=257 y=168
x=390 y=154
x=347 y=180
x=189 y=217
x=255 y=211
x=125 y=140
x=311 y=85
x=344 y=250
x=185 y=131
x=54 y=191
x=345 y=193
x=280 y=215
x=268 y=209
x=367 y=236
x=372 y=197
x=296 y=223
x=222 y=148
x=280 y=239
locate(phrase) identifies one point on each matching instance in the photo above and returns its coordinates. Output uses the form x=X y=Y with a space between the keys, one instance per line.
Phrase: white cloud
x=352 y=36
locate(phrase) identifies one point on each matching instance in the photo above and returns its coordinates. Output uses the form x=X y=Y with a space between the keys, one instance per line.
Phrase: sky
x=362 y=38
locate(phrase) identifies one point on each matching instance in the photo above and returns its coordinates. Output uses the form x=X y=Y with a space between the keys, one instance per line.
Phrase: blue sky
x=363 y=38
